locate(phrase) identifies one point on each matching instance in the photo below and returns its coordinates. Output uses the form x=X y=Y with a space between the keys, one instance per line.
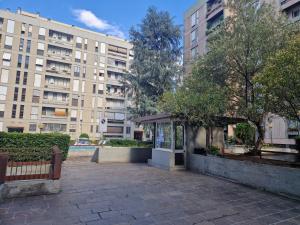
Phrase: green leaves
x=35 y=145
x=155 y=68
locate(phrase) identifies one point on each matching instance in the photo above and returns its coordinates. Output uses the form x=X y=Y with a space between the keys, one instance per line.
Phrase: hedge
x=127 y=143
x=34 y=144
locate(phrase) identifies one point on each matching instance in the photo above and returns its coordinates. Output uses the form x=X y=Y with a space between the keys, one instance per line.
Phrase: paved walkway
x=135 y=194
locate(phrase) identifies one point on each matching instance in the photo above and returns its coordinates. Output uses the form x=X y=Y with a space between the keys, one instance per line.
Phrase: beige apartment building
x=201 y=19
x=56 y=77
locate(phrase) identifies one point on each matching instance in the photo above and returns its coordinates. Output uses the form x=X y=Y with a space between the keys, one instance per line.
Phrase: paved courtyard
x=135 y=194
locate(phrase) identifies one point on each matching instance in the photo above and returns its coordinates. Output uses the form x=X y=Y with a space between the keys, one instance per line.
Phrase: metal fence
x=30 y=165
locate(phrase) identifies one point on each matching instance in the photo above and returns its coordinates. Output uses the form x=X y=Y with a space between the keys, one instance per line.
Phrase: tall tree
x=279 y=82
x=238 y=51
x=155 y=66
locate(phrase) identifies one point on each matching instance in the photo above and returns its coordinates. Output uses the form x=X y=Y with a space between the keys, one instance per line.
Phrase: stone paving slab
x=135 y=194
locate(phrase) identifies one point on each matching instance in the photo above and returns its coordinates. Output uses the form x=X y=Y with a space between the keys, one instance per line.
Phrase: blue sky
x=108 y=16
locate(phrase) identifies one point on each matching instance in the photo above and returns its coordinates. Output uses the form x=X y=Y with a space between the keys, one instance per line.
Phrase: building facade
x=56 y=77
x=201 y=20
x=204 y=16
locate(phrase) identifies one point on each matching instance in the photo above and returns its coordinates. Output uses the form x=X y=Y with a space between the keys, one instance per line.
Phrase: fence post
x=56 y=163
x=3 y=166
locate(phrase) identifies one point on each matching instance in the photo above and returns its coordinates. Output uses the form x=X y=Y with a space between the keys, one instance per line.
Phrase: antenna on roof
x=19 y=10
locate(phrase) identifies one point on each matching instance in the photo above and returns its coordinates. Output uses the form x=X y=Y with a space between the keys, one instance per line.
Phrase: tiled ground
x=134 y=194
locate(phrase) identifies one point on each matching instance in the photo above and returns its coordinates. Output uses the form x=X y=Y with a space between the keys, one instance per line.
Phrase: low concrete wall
x=271 y=178
x=23 y=188
x=123 y=154
x=162 y=159
x=81 y=151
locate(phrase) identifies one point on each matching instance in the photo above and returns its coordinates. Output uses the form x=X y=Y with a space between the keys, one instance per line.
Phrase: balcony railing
x=213 y=8
x=53 y=86
x=55 y=102
x=54 y=69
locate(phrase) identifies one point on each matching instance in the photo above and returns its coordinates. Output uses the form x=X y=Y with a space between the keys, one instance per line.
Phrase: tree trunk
x=260 y=139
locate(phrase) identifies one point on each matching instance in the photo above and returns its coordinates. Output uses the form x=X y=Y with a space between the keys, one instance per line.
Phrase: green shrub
x=84 y=135
x=127 y=143
x=214 y=150
x=246 y=133
x=34 y=143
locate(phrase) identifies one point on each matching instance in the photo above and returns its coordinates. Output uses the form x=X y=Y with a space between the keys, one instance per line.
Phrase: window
x=34 y=113
x=91 y=129
x=96 y=46
x=78 y=42
x=2 y=110
x=3 y=91
x=1 y=126
x=26 y=62
x=1 y=23
x=4 y=75
x=75 y=85
x=296 y=13
x=19 y=61
x=83 y=72
x=10 y=26
x=84 y=57
x=76 y=71
x=23 y=28
x=102 y=48
x=119 y=116
x=85 y=44
x=42 y=33
x=73 y=115
x=18 y=75
x=16 y=93
x=40 y=49
x=29 y=30
x=163 y=135
x=39 y=64
x=100 y=89
x=94 y=88
x=14 y=111
x=82 y=103
x=36 y=96
x=83 y=86
x=37 y=80
x=23 y=96
x=25 y=78
x=28 y=47
x=194 y=53
x=21 y=114
x=77 y=56
x=21 y=46
x=194 y=19
x=6 y=59
x=32 y=127
x=8 y=42
x=128 y=130
x=194 y=37
x=74 y=101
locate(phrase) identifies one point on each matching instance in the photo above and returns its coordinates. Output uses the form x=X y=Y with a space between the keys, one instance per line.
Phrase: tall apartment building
x=204 y=16
x=58 y=77
x=201 y=19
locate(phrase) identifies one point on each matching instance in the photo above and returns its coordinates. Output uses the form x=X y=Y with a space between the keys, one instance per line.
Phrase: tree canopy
x=155 y=67
x=237 y=51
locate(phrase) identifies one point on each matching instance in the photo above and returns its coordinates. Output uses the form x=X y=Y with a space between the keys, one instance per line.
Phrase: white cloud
x=89 y=19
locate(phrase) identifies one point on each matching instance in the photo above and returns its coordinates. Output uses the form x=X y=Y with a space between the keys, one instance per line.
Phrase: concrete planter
x=23 y=188
x=123 y=154
x=275 y=179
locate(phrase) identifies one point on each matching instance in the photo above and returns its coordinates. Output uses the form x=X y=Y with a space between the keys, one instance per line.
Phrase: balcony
x=214 y=8
x=287 y=3
x=214 y=23
x=58 y=67
x=55 y=102
x=61 y=54
x=120 y=96
x=61 y=39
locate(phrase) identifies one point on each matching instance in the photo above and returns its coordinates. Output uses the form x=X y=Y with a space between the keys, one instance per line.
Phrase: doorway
x=179 y=144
